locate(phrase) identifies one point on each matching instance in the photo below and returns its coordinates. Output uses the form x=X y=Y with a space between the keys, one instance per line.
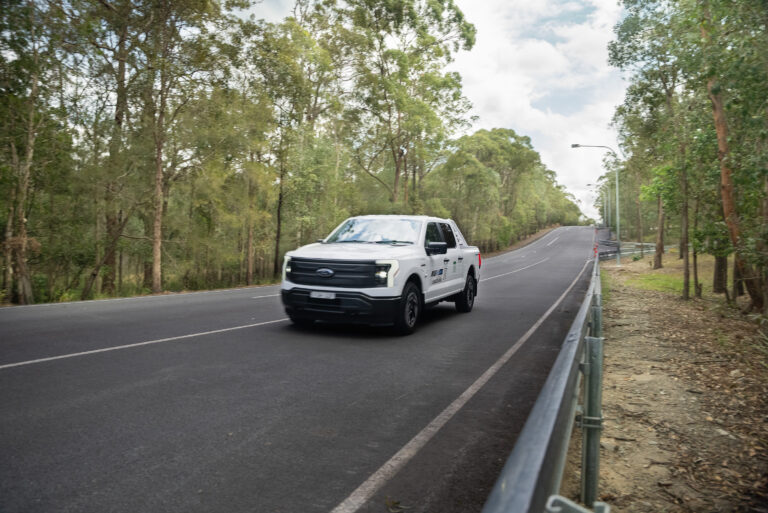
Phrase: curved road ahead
x=214 y=402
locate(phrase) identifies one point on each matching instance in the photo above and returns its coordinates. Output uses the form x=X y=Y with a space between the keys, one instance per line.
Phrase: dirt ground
x=685 y=400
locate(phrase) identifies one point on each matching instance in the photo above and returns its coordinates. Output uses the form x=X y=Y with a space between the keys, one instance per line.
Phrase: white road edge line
x=169 y=295
x=137 y=344
x=387 y=471
x=553 y=240
x=515 y=271
x=260 y=297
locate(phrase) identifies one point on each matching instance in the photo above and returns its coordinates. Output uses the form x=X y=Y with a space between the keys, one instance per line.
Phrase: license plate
x=315 y=294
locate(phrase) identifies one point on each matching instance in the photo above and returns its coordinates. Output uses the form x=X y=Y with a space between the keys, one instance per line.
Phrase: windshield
x=381 y=231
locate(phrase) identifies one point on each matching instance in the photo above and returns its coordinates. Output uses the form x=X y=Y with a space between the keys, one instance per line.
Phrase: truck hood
x=352 y=251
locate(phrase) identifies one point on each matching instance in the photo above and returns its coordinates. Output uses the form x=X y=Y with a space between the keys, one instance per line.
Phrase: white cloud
x=539 y=67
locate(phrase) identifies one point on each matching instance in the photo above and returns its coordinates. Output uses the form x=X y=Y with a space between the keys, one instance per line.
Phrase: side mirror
x=437 y=248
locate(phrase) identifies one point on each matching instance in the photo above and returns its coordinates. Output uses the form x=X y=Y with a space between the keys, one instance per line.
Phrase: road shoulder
x=685 y=402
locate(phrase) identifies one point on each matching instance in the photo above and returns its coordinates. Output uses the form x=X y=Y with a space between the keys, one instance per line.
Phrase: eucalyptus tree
x=716 y=48
x=645 y=44
x=481 y=171
x=469 y=191
x=106 y=38
x=639 y=121
x=402 y=94
x=181 y=59
x=731 y=66
x=279 y=55
x=33 y=134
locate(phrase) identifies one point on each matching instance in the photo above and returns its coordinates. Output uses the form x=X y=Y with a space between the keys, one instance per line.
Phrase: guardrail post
x=558 y=504
x=591 y=419
x=597 y=316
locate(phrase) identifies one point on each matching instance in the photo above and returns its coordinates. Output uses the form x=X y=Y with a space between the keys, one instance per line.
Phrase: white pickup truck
x=381 y=270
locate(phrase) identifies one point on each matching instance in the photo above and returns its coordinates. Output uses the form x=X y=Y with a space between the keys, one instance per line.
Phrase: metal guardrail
x=628 y=248
x=531 y=477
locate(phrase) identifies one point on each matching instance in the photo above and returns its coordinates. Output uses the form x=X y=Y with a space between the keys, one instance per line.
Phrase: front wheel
x=466 y=298
x=301 y=322
x=408 y=310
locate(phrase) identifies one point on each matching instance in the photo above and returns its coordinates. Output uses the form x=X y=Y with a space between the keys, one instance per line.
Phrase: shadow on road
x=429 y=316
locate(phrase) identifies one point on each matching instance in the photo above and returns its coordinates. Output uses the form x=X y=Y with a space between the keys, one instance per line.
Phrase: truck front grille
x=344 y=273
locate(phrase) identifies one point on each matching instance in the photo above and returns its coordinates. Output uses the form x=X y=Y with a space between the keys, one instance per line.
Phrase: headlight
x=385 y=272
x=381 y=275
x=286 y=266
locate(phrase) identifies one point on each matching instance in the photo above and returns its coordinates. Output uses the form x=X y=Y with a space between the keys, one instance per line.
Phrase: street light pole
x=600 y=192
x=618 y=219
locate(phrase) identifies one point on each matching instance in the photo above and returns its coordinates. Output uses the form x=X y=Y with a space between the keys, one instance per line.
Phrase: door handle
x=446 y=260
x=461 y=258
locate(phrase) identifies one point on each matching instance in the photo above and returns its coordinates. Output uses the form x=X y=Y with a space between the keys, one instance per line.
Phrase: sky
x=539 y=67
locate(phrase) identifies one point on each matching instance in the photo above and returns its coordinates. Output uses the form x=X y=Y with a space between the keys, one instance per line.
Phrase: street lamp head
x=574 y=145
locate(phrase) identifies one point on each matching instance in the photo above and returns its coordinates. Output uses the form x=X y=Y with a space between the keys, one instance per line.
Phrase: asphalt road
x=214 y=402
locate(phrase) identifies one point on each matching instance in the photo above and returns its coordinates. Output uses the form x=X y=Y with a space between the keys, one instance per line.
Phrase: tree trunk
x=249 y=259
x=276 y=263
x=762 y=246
x=684 y=228
x=157 y=225
x=696 y=285
x=738 y=280
x=8 y=250
x=405 y=179
x=24 y=168
x=746 y=272
x=109 y=256
x=112 y=222
x=657 y=264
x=720 y=278
x=111 y=214
x=640 y=227
x=23 y=281
x=249 y=244
x=697 y=289
x=398 y=162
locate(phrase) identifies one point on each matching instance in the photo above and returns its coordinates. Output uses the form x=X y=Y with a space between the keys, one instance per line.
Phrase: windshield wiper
x=394 y=242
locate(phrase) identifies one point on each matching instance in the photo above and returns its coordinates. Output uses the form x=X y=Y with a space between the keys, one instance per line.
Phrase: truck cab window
x=433 y=234
x=448 y=234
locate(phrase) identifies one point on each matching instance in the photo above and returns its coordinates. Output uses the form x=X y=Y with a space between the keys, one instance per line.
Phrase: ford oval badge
x=324 y=272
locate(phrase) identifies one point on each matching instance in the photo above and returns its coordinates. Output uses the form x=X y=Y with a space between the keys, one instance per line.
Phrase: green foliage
x=684 y=56
x=263 y=136
x=496 y=188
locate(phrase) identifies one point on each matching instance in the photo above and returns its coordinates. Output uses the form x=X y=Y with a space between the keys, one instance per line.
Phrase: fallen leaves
x=700 y=442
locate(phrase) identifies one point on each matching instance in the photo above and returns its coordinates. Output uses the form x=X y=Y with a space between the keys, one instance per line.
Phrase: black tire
x=301 y=322
x=466 y=298
x=408 y=310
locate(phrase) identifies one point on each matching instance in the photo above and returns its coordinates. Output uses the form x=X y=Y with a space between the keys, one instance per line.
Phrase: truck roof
x=398 y=216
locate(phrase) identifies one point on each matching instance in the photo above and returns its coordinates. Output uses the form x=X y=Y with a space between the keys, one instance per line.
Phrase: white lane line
x=387 y=471
x=515 y=271
x=543 y=238
x=260 y=297
x=553 y=240
x=137 y=344
x=132 y=298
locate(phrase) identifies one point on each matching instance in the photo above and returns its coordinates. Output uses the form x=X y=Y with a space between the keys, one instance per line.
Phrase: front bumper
x=347 y=307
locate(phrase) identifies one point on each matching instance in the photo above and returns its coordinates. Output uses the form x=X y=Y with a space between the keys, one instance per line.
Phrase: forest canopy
x=154 y=145
x=694 y=127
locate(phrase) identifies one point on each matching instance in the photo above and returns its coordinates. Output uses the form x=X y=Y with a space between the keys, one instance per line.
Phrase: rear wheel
x=466 y=298
x=408 y=310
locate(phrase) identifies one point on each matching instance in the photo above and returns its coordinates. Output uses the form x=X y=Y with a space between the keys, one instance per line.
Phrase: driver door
x=437 y=276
